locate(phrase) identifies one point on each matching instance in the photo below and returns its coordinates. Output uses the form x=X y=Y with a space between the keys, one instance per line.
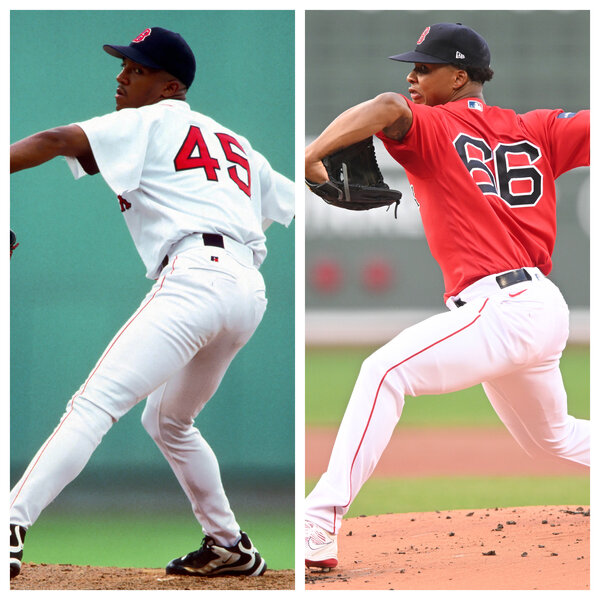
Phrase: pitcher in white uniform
x=196 y=199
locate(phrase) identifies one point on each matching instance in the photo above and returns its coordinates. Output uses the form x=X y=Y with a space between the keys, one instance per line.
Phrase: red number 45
x=194 y=154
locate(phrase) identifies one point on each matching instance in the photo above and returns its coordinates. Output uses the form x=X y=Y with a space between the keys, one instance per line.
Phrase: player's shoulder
x=170 y=113
x=557 y=120
x=211 y=123
x=224 y=132
x=477 y=108
x=161 y=108
x=551 y=114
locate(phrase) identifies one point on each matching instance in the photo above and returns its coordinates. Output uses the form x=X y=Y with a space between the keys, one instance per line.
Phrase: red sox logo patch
x=142 y=35
x=423 y=35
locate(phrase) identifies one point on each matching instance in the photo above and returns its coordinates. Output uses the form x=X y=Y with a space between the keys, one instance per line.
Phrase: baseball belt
x=242 y=252
x=504 y=280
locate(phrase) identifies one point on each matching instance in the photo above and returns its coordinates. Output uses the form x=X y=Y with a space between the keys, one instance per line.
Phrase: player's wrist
x=315 y=172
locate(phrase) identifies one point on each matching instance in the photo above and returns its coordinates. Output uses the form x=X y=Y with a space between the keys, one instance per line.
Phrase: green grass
x=330 y=377
x=409 y=494
x=331 y=373
x=145 y=540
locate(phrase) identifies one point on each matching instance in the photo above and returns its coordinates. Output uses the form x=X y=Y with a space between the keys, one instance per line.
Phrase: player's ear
x=173 y=87
x=460 y=78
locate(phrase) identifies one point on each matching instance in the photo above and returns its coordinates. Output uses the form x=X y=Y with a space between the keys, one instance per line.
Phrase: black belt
x=215 y=239
x=210 y=239
x=505 y=280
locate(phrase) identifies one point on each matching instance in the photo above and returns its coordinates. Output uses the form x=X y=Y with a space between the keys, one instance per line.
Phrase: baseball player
x=195 y=197
x=483 y=178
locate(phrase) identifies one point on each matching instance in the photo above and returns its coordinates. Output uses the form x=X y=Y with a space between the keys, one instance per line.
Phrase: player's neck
x=471 y=89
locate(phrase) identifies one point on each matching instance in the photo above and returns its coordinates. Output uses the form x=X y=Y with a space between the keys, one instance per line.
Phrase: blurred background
x=371 y=268
x=369 y=275
x=76 y=278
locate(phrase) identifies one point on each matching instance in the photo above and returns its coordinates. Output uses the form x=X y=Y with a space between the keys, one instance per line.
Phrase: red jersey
x=483 y=177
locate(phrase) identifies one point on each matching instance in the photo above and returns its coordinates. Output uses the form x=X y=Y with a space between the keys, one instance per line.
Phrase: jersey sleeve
x=566 y=136
x=118 y=141
x=420 y=143
x=277 y=194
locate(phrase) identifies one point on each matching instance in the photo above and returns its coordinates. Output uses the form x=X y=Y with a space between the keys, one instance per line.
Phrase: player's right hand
x=315 y=171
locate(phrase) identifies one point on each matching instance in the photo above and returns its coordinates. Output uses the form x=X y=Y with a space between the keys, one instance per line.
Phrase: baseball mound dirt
x=70 y=577
x=529 y=548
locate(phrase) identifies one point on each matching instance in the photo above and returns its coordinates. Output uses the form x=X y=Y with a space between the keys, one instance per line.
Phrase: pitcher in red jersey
x=483 y=177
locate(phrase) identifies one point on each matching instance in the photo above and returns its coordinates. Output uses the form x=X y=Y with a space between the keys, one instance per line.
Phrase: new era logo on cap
x=459 y=55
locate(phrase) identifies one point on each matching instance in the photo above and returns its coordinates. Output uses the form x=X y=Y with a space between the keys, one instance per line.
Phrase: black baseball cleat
x=17 y=537
x=212 y=560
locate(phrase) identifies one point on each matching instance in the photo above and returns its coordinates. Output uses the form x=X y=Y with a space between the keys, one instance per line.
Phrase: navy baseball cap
x=449 y=43
x=159 y=48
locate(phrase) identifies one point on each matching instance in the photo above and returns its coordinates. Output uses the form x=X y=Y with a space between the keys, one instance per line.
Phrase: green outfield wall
x=76 y=276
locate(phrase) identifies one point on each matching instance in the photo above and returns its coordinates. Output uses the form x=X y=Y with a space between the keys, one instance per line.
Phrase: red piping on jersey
x=377 y=395
x=86 y=383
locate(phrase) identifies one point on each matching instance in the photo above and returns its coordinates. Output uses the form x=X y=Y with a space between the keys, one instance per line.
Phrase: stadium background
x=368 y=275
x=76 y=278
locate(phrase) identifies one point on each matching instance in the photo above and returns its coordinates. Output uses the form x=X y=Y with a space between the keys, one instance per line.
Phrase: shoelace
x=207 y=543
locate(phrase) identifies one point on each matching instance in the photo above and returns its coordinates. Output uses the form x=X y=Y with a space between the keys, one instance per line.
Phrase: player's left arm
x=277 y=193
x=569 y=135
x=388 y=112
x=565 y=136
x=69 y=140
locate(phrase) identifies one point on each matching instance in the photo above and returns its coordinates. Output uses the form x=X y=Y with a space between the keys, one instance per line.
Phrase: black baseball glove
x=355 y=181
x=13 y=242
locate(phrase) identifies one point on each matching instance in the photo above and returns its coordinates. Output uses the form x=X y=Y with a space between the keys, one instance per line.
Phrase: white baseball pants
x=174 y=350
x=510 y=339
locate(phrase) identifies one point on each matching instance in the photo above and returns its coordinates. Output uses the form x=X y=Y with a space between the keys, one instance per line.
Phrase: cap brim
x=418 y=57
x=132 y=54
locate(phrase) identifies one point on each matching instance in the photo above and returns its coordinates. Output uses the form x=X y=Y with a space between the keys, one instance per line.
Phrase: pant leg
x=59 y=460
x=512 y=333
x=184 y=310
x=447 y=352
x=169 y=418
x=532 y=404
x=531 y=401
x=127 y=370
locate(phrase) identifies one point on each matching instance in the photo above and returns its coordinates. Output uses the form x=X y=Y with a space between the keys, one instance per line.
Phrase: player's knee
x=162 y=427
x=151 y=421
x=554 y=446
x=558 y=443
x=375 y=362
x=378 y=369
x=377 y=375
x=91 y=418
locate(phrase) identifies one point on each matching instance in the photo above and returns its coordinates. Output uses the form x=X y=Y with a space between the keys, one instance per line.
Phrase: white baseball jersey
x=164 y=160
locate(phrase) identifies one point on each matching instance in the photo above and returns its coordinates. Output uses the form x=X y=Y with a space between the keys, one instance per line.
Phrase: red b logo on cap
x=423 y=36
x=142 y=35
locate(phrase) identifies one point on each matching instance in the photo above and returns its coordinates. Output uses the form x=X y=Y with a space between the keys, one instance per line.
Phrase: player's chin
x=121 y=101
